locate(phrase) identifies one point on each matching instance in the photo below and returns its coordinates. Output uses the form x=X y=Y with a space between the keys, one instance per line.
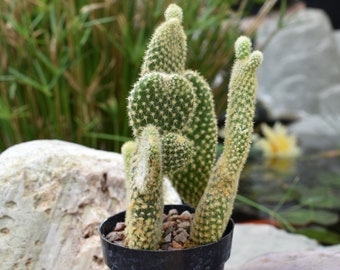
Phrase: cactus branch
x=215 y=207
x=145 y=208
x=167 y=49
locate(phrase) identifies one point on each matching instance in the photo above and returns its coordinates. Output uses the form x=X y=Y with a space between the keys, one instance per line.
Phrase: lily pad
x=320 y=197
x=322 y=235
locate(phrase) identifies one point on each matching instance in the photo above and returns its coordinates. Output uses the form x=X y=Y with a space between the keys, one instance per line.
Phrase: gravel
x=176 y=231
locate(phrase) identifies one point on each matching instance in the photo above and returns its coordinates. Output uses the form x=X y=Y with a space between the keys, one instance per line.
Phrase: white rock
x=54 y=194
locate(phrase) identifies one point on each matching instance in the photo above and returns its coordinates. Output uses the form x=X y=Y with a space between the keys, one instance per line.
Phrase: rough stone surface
x=54 y=194
x=301 y=61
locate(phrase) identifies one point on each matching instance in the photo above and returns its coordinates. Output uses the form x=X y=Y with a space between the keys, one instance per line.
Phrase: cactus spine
x=171 y=112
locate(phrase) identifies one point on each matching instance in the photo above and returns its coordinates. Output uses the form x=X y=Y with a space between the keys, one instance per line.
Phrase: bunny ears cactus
x=171 y=112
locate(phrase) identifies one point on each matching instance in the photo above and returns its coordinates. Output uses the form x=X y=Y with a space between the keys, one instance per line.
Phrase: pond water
x=304 y=192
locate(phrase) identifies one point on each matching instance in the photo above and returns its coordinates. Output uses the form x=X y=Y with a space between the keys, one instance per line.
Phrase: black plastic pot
x=212 y=256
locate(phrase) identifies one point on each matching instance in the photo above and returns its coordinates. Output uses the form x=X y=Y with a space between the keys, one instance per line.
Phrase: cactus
x=215 y=206
x=171 y=112
x=160 y=106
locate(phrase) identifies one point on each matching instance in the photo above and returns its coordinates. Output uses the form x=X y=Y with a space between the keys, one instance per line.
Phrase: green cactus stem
x=215 y=207
x=191 y=181
x=144 y=213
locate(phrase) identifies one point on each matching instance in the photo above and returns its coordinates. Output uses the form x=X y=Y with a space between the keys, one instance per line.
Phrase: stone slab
x=266 y=247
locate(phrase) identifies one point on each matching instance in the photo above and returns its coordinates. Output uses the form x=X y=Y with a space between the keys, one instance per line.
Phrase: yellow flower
x=277 y=143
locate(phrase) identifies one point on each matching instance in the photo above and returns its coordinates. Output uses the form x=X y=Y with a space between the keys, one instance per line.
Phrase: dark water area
x=305 y=192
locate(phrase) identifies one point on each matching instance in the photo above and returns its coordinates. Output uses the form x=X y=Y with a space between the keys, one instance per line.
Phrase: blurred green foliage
x=66 y=66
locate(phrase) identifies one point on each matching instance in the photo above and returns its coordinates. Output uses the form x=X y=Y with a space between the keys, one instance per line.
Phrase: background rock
x=54 y=194
x=337 y=39
x=300 y=61
x=321 y=131
x=300 y=76
x=329 y=102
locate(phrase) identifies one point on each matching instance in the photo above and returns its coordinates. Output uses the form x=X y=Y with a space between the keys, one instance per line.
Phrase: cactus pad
x=166 y=101
x=177 y=151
